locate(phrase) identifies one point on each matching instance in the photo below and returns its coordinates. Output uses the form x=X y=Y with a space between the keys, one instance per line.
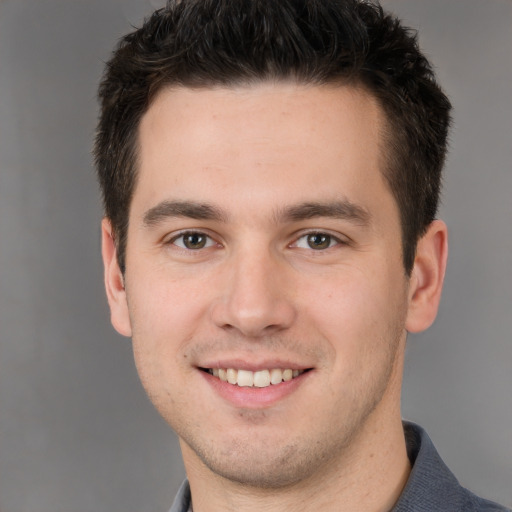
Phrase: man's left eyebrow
x=185 y=209
x=343 y=209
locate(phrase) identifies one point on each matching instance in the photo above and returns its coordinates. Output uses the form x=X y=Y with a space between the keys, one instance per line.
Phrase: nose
x=256 y=295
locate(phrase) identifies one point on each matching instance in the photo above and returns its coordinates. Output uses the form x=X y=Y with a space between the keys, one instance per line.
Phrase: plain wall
x=77 y=433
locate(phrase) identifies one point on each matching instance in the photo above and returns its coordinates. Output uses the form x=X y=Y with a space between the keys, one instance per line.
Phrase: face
x=264 y=248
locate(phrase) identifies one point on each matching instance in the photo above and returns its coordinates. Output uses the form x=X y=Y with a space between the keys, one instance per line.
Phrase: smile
x=258 y=379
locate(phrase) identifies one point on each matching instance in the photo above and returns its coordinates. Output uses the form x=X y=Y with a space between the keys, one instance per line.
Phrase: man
x=270 y=174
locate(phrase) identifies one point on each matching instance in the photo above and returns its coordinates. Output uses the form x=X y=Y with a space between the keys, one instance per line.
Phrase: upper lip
x=254 y=364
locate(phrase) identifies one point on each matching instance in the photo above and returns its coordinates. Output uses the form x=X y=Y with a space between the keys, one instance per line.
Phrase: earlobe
x=427 y=277
x=114 y=282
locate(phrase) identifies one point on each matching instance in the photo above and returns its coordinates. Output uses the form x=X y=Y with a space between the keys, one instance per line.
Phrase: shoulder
x=431 y=485
x=477 y=504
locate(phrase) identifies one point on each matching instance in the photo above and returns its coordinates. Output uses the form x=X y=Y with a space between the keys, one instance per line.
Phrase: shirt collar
x=431 y=485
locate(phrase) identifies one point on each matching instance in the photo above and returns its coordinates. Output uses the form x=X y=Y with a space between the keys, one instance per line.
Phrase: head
x=270 y=174
x=206 y=44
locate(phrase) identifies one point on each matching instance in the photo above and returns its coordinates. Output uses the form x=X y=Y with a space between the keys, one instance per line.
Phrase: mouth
x=258 y=379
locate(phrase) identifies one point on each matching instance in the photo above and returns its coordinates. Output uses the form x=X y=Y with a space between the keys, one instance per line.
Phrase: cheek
x=165 y=315
x=360 y=313
x=163 y=307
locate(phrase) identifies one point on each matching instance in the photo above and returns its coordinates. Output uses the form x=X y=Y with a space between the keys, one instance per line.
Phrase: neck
x=368 y=478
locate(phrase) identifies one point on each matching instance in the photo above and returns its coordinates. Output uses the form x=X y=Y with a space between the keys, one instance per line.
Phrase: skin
x=258 y=294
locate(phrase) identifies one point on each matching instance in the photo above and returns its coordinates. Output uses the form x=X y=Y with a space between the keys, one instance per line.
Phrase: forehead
x=265 y=105
x=263 y=139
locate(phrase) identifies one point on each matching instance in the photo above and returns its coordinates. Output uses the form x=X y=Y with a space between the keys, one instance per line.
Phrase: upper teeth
x=259 y=379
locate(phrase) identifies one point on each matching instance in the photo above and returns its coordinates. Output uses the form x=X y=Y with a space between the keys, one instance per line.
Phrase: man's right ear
x=114 y=282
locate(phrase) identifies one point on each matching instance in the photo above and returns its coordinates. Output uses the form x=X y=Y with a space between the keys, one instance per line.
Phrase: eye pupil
x=194 y=240
x=319 y=241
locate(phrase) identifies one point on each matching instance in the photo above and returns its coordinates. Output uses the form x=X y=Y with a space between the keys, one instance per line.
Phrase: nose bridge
x=254 y=299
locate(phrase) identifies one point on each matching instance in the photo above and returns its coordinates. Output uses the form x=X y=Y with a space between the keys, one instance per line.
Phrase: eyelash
x=333 y=240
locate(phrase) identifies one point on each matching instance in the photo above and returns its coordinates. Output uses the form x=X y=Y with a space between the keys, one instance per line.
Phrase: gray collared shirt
x=431 y=486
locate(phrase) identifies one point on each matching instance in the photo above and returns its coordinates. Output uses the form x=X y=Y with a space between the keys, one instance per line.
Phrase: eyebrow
x=191 y=210
x=343 y=209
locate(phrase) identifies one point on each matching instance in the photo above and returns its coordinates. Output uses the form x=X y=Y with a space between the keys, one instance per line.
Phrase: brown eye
x=319 y=241
x=193 y=241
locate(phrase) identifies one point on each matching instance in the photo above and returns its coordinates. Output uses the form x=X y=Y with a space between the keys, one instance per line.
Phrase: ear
x=427 y=277
x=114 y=282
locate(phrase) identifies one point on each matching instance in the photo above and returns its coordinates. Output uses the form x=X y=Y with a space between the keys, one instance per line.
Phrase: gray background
x=77 y=433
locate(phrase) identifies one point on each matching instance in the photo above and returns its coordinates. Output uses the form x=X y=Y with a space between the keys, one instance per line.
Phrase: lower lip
x=253 y=397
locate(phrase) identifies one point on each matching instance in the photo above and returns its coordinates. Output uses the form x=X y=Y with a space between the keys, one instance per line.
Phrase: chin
x=263 y=465
x=282 y=471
